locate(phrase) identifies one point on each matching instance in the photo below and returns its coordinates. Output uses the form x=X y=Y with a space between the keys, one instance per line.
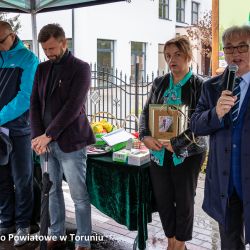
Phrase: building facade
x=119 y=35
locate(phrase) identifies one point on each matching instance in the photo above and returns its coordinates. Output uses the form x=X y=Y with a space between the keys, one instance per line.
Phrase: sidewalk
x=205 y=232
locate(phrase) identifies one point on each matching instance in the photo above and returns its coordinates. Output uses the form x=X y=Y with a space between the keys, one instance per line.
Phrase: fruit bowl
x=102 y=127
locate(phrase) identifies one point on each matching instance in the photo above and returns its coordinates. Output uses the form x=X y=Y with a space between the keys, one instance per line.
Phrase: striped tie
x=236 y=92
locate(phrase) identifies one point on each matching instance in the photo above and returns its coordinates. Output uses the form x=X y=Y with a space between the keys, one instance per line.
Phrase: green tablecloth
x=121 y=191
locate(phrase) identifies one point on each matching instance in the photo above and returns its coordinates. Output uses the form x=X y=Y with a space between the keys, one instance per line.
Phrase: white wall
x=122 y=22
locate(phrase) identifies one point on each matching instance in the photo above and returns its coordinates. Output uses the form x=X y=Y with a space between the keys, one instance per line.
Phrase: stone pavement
x=205 y=232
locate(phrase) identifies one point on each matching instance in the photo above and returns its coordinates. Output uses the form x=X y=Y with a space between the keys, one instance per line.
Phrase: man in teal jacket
x=17 y=69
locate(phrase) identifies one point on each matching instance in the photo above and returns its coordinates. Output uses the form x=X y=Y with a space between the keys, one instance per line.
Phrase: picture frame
x=163 y=122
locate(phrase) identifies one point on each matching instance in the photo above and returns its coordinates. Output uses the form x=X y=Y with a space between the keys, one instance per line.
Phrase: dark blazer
x=70 y=126
x=205 y=122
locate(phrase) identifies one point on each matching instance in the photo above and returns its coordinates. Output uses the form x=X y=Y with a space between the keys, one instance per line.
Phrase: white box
x=138 y=157
x=121 y=155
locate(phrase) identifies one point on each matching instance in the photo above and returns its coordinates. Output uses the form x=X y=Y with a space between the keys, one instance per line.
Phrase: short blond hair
x=183 y=44
x=240 y=31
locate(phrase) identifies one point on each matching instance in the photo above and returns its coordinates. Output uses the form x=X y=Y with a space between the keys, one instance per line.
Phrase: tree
x=201 y=34
x=13 y=21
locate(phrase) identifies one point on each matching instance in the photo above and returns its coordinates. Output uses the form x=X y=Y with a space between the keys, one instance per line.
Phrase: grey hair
x=239 y=31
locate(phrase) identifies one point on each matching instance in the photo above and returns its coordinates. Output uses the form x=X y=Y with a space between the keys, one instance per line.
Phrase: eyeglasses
x=4 y=39
x=241 y=49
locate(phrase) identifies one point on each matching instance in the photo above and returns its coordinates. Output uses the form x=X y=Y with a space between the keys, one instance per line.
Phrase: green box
x=99 y=140
x=119 y=146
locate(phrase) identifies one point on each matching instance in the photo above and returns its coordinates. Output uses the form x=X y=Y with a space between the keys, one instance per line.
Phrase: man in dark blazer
x=225 y=116
x=60 y=126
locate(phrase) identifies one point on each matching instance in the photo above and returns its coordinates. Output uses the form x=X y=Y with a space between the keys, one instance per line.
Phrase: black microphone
x=232 y=69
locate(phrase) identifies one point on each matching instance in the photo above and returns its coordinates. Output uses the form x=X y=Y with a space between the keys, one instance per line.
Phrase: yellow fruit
x=97 y=128
x=108 y=126
x=103 y=120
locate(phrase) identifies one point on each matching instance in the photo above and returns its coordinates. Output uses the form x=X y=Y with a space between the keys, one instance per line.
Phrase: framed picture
x=163 y=122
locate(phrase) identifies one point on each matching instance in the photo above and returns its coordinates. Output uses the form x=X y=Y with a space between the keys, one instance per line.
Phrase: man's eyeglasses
x=4 y=39
x=241 y=49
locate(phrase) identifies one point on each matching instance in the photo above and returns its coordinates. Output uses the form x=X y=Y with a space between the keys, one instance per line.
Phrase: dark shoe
x=82 y=248
x=21 y=236
x=54 y=244
x=7 y=230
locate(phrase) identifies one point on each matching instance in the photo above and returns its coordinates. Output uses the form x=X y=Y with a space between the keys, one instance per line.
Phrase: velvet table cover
x=122 y=192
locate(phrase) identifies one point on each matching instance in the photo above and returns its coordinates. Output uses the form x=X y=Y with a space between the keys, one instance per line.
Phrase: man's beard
x=57 y=58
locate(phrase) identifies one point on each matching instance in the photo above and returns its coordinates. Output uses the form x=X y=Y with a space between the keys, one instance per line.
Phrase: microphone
x=232 y=69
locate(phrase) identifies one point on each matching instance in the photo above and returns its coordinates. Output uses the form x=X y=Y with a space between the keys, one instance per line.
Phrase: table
x=122 y=192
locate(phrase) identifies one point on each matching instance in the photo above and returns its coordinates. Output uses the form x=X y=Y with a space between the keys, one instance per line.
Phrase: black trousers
x=16 y=203
x=174 y=191
x=232 y=238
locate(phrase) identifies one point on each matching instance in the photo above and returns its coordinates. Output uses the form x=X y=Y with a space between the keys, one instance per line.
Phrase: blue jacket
x=17 y=70
x=205 y=122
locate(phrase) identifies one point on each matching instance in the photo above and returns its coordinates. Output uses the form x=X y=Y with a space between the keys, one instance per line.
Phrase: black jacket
x=189 y=96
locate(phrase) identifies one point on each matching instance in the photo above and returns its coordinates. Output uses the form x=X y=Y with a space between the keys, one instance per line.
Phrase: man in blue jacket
x=17 y=70
x=225 y=116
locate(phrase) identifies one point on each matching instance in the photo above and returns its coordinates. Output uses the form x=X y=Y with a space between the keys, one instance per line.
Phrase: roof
x=38 y=6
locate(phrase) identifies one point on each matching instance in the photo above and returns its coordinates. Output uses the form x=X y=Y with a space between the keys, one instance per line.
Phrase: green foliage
x=13 y=21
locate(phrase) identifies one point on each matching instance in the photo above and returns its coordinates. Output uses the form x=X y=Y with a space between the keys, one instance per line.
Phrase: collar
x=246 y=78
x=14 y=43
x=62 y=59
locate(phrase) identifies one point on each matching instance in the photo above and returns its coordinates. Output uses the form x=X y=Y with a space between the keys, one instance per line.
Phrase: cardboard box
x=138 y=157
x=121 y=155
x=135 y=157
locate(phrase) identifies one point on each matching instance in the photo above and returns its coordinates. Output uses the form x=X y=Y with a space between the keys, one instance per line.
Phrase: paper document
x=117 y=136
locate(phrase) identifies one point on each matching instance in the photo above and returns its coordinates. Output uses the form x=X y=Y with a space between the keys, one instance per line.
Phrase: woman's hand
x=168 y=146
x=152 y=143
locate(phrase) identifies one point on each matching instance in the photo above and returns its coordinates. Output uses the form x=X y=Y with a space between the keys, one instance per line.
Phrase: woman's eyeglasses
x=241 y=49
x=4 y=39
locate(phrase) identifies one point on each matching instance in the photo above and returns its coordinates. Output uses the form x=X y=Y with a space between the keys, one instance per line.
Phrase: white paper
x=117 y=136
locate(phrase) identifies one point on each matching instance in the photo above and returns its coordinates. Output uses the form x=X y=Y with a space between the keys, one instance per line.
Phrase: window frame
x=180 y=9
x=164 y=9
x=134 y=55
x=194 y=12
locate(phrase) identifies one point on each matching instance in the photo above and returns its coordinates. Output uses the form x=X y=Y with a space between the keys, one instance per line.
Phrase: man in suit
x=225 y=116
x=17 y=70
x=60 y=126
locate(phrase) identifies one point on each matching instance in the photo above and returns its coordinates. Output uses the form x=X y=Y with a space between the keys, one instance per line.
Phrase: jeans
x=16 y=203
x=73 y=166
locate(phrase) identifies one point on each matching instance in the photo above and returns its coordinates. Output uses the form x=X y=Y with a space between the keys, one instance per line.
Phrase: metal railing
x=114 y=92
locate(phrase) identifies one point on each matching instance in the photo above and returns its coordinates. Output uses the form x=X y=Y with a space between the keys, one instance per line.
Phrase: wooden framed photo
x=163 y=122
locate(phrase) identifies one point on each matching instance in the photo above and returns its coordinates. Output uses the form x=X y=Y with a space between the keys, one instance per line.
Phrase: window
x=138 y=55
x=180 y=11
x=105 y=54
x=161 y=60
x=70 y=44
x=105 y=60
x=195 y=13
x=164 y=9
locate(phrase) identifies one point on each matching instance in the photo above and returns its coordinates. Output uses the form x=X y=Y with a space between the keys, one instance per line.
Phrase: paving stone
x=205 y=230
x=196 y=242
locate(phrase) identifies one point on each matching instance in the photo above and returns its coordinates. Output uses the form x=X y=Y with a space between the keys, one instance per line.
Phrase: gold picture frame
x=163 y=122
